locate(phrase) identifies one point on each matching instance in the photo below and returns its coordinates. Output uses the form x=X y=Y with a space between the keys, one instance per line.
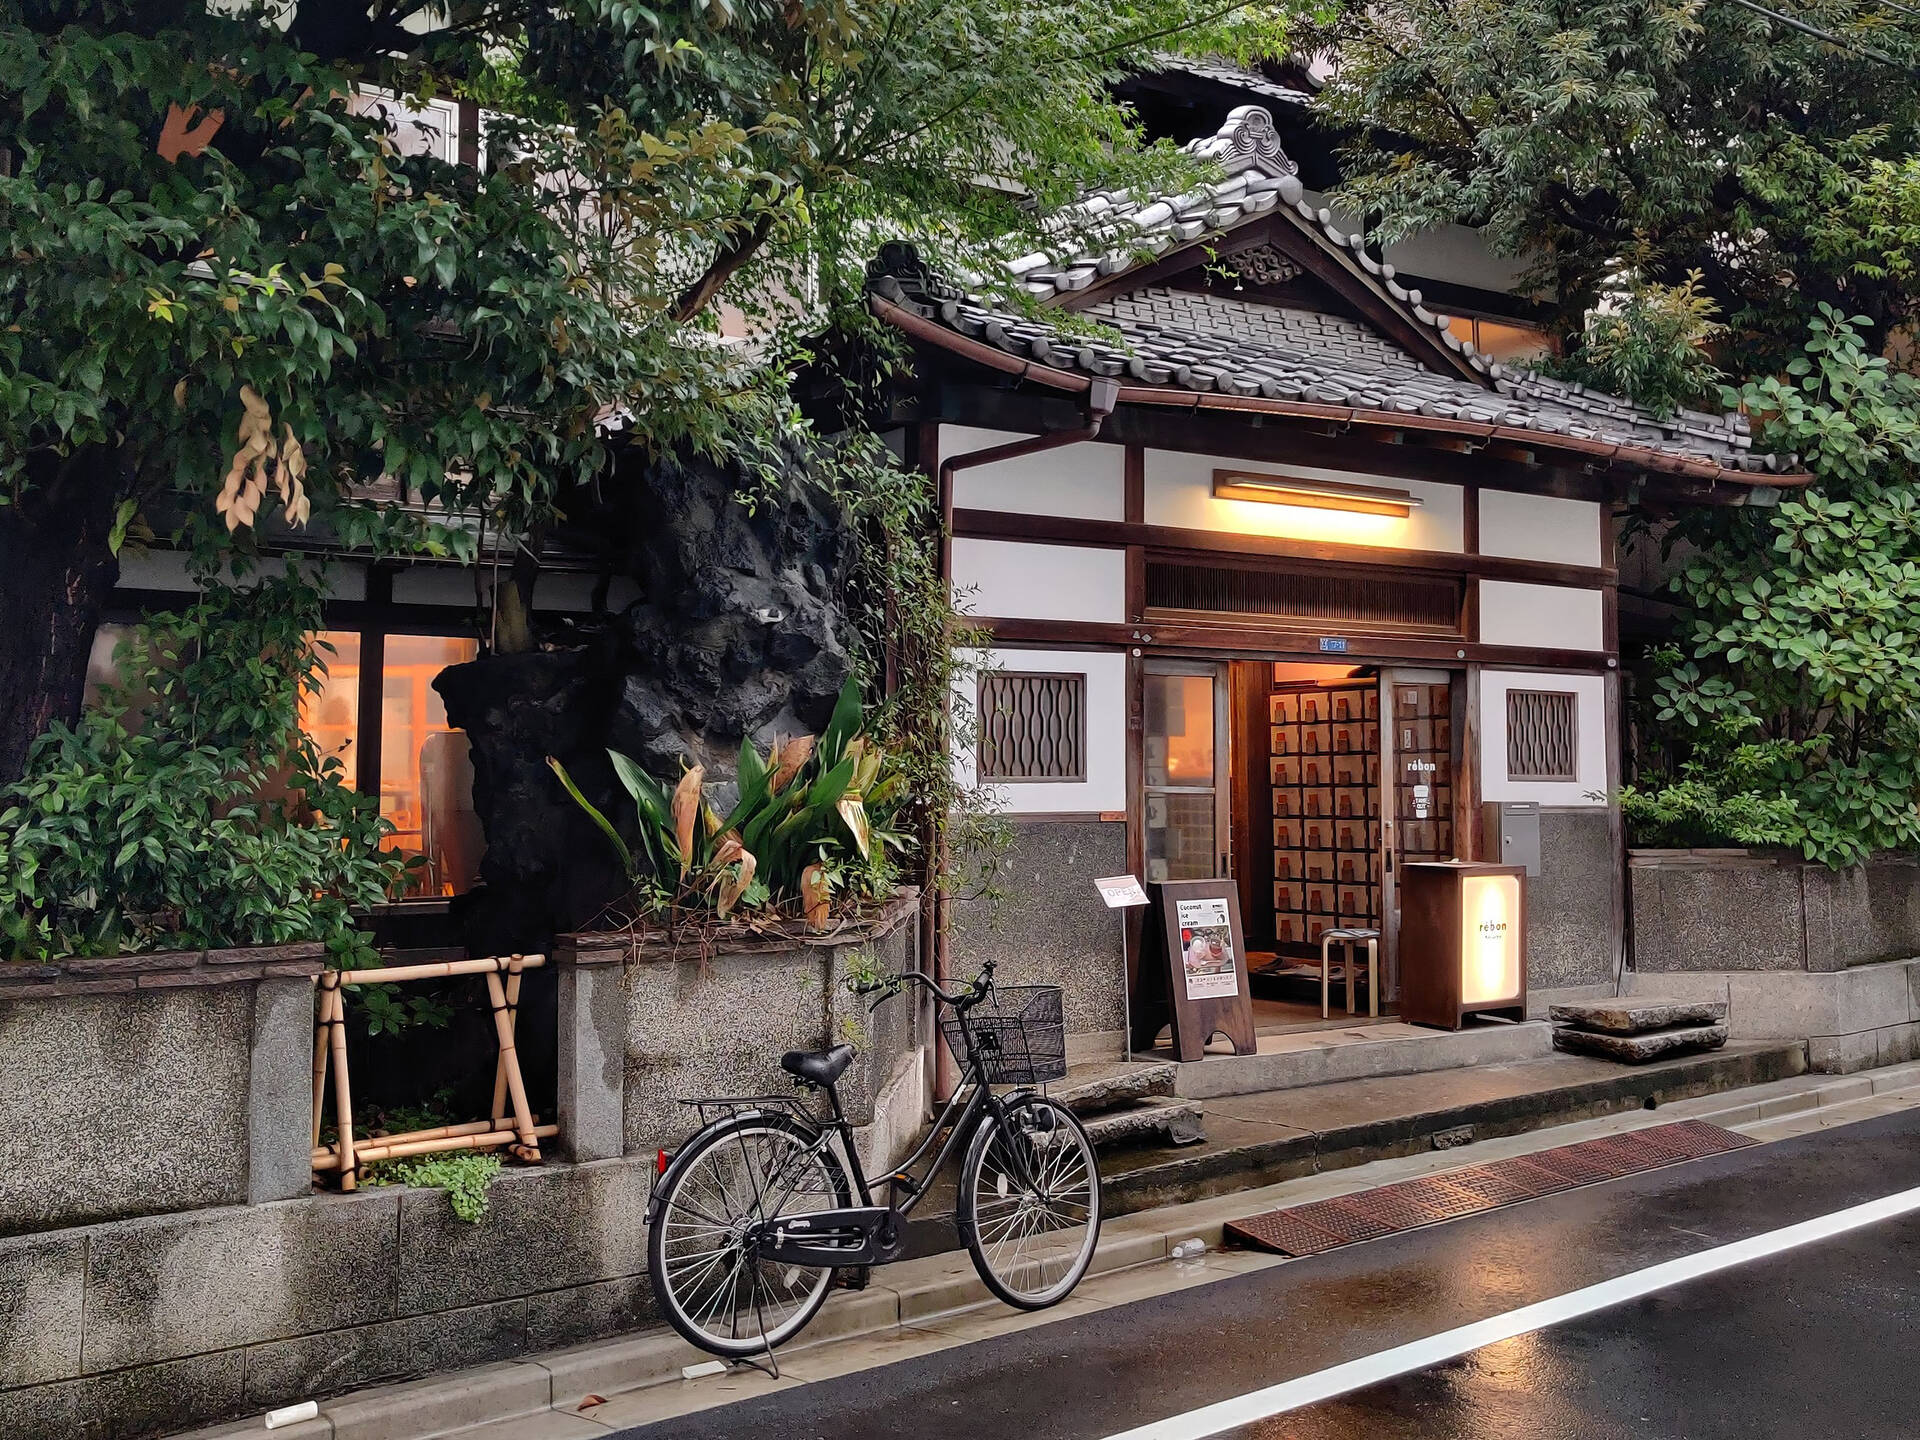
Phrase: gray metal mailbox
x=1519 y=834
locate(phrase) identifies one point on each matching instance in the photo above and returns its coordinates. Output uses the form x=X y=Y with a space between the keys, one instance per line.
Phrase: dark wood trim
x=1470 y=518
x=1136 y=583
x=1360 y=442
x=1619 y=917
x=1260 y=642
x=1469 y=824
x=469 y=138
x=1136 y=485
x=1116 y=534
x=1134 y=930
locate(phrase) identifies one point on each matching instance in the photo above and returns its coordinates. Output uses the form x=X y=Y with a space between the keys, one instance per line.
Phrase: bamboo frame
x=510 y=1123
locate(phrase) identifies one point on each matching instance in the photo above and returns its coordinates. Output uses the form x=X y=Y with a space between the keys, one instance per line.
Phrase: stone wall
x=1049 y=926
x=1570 y=924
x=136 y=1327
x=1730 y=910
x=675 y=1024
x=144 y=1083
x=1796 y=951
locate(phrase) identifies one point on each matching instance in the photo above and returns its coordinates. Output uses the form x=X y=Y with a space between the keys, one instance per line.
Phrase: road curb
x=945 y=1285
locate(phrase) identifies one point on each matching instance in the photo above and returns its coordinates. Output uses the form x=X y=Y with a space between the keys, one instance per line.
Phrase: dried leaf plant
x=813 y=818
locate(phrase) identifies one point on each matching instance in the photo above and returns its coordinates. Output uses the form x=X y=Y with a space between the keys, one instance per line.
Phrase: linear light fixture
x=1313 y=494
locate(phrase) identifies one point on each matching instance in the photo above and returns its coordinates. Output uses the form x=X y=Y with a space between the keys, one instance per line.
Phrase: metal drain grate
x=1370 y=1214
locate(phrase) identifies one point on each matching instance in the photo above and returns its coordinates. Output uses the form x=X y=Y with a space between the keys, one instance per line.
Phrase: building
x=1288 y=577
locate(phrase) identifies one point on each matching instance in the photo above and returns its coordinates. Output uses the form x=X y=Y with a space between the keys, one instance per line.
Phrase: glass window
x=1179 y=730
x=1504 y=340
x=426 y=772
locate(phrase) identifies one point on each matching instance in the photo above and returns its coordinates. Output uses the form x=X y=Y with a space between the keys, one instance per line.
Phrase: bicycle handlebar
x=975 y=991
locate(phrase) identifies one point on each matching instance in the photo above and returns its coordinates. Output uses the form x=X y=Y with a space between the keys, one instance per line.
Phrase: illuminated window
x=1503 y=340
x=419 y=765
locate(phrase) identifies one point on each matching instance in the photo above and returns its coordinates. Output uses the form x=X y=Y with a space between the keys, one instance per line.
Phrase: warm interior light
x=1489 y=938
x=1313 y=494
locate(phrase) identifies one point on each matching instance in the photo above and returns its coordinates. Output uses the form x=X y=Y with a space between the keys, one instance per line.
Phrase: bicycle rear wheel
x=1029 y=1207
x=714 y=1289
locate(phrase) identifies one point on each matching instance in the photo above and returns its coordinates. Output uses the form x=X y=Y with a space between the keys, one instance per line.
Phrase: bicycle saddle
x=818 y=1067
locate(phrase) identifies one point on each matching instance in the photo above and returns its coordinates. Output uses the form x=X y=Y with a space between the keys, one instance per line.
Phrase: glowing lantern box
x=1463 y=941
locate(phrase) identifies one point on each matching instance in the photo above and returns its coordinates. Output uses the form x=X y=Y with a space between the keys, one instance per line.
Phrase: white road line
x=1450 y=1344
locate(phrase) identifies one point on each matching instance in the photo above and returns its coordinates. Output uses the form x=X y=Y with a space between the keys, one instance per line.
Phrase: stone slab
x=1332 y=1057
x=310 y=1367
x=280 y=1092
x=1638 y=1015
x=546 y=1228
x=1173 y=1122
x=123 y=1104
x=144 y=1400
x=42 y=1295
x=173 y=1285
x=591 y=1061
x=1638 y=1049
x=1102 y=1087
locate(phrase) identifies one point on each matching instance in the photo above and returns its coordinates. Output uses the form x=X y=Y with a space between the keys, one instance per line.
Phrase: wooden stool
x=1351 y=938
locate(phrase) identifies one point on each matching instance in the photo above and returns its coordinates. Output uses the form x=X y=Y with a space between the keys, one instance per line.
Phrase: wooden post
x=342 y=1091
x=529 y=1146
x=499 y=1110
x=329 y=987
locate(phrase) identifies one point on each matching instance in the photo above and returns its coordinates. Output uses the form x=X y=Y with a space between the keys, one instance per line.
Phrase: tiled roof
x=1211 y=343
x=1240 y=77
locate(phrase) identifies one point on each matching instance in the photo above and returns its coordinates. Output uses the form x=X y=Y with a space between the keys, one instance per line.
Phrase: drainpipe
x=1102 y=395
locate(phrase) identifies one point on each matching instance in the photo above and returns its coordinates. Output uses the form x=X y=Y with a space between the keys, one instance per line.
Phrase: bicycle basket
x=1019 y=1035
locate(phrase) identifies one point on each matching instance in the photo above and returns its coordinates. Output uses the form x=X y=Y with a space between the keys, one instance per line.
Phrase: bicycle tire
x=990 y=1235
x=727 y=1142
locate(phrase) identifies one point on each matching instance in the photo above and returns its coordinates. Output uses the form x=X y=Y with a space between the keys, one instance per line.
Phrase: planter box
x=645 y=1024
x=139 y=1084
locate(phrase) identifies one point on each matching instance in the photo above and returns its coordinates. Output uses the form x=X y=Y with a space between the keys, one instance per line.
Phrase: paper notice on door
x=1206 y=949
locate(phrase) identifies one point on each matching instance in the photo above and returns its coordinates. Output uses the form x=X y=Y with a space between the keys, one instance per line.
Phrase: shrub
x=189 y=809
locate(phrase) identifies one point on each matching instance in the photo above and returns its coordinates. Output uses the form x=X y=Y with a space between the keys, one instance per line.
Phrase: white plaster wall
x=1448 y=252
x=1018 y=580
x=1105 y=788
x=167 y=570
x=1540 y=527
x=1179 y=492
x=1547 y=617
x=1590 y=739
x=1085 y=481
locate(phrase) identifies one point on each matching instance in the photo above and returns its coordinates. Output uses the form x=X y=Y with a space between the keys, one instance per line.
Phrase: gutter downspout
x=1103 y=394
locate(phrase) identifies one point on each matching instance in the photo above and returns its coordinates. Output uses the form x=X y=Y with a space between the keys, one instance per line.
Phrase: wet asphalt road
x=1820 y=1342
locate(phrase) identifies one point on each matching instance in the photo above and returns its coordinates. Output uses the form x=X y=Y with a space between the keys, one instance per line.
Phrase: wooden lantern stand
x=517 y=1132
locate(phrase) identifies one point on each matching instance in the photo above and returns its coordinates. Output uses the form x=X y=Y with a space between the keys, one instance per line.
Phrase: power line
x=1827 y=35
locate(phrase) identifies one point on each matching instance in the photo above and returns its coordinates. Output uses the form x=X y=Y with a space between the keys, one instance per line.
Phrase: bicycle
x=755 y=1213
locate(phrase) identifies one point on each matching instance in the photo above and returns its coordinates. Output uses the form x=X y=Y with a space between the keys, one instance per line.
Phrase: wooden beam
x=1117 y=534
x=1286 y=643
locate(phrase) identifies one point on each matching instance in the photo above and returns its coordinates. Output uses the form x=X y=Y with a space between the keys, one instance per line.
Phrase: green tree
x=1795 y=676
x=1679 y=135
x=227 y=290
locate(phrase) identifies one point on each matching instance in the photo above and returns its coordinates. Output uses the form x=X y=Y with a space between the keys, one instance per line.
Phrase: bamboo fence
x=511 y=1122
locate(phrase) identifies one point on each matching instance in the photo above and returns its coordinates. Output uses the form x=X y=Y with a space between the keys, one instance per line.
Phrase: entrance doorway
x=1308 y=784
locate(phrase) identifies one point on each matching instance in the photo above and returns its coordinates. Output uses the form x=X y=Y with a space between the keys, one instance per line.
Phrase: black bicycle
x=756 y=1212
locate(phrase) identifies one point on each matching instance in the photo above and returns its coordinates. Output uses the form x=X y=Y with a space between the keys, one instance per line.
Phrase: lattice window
x=1033 y=727
x=1543 y=732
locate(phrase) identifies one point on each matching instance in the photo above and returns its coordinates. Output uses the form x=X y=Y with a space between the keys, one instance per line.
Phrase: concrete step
x=1167 y=1122
x=1361 y=1051
x=1103 y=1085
x=1641 y=1048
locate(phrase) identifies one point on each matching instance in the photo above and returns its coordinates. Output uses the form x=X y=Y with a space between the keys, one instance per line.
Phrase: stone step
x=1156 y=1119
x=1638 y=1049
x=1090 y=1089
x=1640 y=1015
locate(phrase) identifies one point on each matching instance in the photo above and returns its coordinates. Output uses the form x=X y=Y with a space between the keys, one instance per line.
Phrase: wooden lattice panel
x=1033 y=726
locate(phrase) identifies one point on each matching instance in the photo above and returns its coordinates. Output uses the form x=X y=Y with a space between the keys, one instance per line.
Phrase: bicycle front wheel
x=712 y=1286
x=1029 y=1206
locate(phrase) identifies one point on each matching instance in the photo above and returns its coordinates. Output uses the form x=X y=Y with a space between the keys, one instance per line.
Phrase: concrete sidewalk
x=921 y=1306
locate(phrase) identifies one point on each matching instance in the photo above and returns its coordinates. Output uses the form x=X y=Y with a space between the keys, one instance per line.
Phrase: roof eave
x=1583 y=451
